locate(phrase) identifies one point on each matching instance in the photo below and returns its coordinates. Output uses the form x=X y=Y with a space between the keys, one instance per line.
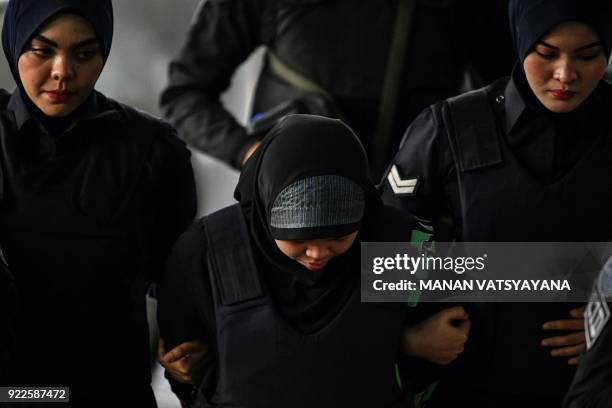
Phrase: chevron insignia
x=399 y=185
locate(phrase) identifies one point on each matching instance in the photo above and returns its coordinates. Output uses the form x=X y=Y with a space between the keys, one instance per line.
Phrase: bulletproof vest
x=502 y=202
x=264 y=362
x=78 y=254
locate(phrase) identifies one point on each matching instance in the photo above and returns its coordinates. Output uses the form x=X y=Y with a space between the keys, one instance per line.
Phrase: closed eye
x=546 y=55
x=87 y=55
x=588 y=57
x=43 y=52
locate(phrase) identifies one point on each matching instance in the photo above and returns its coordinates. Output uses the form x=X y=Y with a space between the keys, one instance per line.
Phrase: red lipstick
x=59 y=96
x=562 y=95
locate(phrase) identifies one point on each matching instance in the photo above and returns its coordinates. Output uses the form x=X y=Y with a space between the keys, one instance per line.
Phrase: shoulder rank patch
x=596 y=316
x=401 y=186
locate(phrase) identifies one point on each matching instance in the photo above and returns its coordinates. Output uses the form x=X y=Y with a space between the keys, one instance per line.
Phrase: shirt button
x=500 y=99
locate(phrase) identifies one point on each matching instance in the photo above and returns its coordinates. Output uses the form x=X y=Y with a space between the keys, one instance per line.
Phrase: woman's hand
x=440 y=338
x=569 y=345
x=185 y=362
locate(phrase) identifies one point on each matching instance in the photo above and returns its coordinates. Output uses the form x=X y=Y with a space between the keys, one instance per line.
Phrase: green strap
x=416 y=240
x=398 y=377
x=418 y=237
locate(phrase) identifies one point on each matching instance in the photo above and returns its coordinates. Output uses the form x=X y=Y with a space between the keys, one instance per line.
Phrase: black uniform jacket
x=186 y=308
x=536 y=179
x=592 y=386
x=87 y=218
x=340 y=45
x=8 y=308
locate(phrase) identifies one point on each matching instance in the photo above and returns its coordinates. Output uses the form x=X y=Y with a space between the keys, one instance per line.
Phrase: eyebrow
x=84 y=43
x=584 y=47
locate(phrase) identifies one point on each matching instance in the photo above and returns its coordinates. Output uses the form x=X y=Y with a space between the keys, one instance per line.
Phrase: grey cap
x=317 y=207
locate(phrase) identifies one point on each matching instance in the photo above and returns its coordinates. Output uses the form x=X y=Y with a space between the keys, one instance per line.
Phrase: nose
x=318 y=251
x=565 y=72
x=63 y=69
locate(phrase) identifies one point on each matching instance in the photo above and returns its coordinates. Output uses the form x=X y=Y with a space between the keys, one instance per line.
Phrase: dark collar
x=96 y=107
x=514 y=105
x=16 y=104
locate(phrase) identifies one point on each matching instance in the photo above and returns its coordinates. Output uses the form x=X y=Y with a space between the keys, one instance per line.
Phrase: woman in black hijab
x=92 y=195
x=274 y=281
x=524 y=159
x=308 y=150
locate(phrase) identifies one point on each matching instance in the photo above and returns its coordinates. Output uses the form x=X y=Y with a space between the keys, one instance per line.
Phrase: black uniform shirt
x=546 y=146
x=8 y=308
x=545 y=186
x=87 y=217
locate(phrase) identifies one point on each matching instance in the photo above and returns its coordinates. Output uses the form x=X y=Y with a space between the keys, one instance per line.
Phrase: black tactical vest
x=502 y=202
x=264 y=362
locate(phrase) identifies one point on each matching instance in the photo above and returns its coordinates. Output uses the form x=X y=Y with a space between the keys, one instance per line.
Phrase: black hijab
x=23 y=18
x=298 y=147
x=530 y=20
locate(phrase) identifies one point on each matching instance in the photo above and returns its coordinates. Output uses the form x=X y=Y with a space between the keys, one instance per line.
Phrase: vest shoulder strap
x=232 y=266
x=474 y=135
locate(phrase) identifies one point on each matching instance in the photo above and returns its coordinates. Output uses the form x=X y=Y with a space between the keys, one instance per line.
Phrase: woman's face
x=314 y=254
x=61 y=64
x=565 y=66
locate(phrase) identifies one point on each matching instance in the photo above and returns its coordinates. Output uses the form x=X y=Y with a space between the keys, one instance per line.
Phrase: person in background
x=524 y=159
x=271 y=285
x=93 y=195
x=334 y=58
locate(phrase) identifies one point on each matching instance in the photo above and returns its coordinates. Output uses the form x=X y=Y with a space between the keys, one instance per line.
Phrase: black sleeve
x=395 y=225
x=414 y=182
x=8 y=308
x=592 y=385
x=425 y=158
x=223 y=34
x=185 y=309
x=174 y=198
